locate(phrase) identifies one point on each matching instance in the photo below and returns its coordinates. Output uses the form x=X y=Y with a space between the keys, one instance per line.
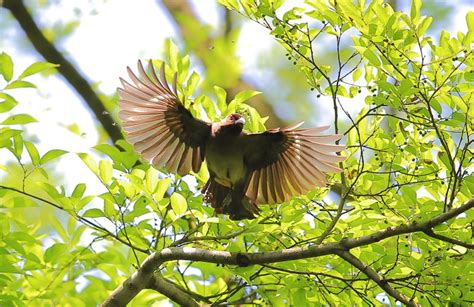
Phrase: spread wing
x=288 y=162
x=161 y=129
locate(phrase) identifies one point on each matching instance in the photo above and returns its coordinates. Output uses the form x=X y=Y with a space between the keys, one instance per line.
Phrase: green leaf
x=19 y=119
x=20 y=84
x=78 y=191
x=6 y=267
x=151 y=179
x=6 y=134
x=371 y=57
x=51 y=191
x=356 y=74
x=7 y=102
x=425 y=24
x=163 y=186
x=245 y=95
x=110 y=151
x=409 y=195
x=221 y=96
x=470 y=21
x=230 y=4
x=193 y=81
x=415 y=10
x=173 y=54
x=18 y=145
x=94 y=212
x=58 y=227
x=33 y=152
x=178 y=203
x=6 y=66
x=105 y=171
x=238 y=99
x=54 y=252
x=52 y=154
x=36 y=68
x=89 y=161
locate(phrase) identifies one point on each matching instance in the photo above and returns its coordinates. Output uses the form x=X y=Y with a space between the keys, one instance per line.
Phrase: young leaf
x=54 y=252
x=193 y=81
x=6 y=66
x=89 y=161
x=52 y=154
x=78 y=191
x=18 y=145
x=244 y=96
x=105 y=171
x=163 y=186
x=94 y=212
x=19 y=119
x=221 y=96
x=33 y=152
x=178 y=203
x=20 y=84
x=8 y=102
x=36 y=68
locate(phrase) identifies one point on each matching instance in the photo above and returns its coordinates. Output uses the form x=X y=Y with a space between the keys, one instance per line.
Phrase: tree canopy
x=395 y=226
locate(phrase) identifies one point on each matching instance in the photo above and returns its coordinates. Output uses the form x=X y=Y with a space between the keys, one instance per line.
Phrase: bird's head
x=233 y=124
x=233 y=119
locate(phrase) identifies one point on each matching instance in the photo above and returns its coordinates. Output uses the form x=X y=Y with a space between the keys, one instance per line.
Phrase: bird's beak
x=241 y=120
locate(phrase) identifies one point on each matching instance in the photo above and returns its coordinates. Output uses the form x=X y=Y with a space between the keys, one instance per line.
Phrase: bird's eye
x=231 y=117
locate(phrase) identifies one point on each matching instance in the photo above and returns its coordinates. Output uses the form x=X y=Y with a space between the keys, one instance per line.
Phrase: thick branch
x=170 y=290
x=70 y=73
x=140 y=279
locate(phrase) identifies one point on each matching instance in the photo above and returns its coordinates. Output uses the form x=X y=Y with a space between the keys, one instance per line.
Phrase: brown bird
x=244 y=169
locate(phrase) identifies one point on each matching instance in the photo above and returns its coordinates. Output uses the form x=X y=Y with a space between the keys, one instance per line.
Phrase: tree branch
x=69 y=72
x=79 y=218
x=171 y=291
x=432 y=234
x=376 y=277
x=140 y=279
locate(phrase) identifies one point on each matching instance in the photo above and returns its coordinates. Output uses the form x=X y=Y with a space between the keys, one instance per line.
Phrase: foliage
x=409 y=161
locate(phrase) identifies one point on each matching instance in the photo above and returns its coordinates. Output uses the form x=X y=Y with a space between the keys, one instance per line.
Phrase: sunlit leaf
x=19 y=119
x=6 y=66
x=33 y=152
x=178 y=204
x=51 y=155
x=36 y=68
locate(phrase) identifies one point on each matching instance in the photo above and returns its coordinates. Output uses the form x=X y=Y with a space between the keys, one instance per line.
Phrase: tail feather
x=215 y=194
x=224 y=201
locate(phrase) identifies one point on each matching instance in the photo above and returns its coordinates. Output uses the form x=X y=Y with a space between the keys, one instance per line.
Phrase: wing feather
x=289 y=162
x=157 y=124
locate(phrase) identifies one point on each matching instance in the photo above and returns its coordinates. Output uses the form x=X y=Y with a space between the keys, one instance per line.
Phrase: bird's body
x=244 y=169
x=224 y=157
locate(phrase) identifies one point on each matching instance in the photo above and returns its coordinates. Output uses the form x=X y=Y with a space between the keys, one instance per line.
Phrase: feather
x=185 y=162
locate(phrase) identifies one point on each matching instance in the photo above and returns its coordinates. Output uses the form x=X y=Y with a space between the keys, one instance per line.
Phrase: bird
x=245 y=169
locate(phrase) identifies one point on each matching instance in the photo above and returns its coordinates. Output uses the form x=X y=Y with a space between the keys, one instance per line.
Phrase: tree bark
x=67 y=70
x=144 y=276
